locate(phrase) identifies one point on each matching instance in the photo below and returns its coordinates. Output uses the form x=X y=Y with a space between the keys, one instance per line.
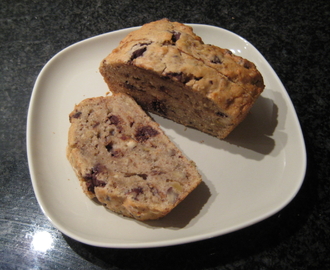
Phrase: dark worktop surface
x=294 y=37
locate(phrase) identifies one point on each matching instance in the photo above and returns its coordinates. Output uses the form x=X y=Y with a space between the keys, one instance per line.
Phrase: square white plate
x=247 y=177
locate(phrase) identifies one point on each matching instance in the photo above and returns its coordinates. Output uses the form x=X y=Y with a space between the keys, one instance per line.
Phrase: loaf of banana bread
x=169 y=71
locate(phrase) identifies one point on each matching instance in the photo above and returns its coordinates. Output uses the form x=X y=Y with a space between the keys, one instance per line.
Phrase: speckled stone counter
x=294 y=37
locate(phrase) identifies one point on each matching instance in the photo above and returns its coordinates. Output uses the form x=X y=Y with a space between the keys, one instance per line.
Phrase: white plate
x=247 y=177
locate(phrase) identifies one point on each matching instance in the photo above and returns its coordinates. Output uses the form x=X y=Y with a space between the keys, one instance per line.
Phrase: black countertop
x=294 y=36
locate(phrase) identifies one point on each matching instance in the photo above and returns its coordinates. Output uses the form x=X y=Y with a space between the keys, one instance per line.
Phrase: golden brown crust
x=235 y=68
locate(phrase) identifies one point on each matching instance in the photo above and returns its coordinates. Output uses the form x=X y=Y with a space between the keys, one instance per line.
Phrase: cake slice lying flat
x=124 y=160
x=169 y=71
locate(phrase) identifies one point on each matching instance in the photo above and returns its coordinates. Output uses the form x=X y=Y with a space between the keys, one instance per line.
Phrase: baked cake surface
x=169 y=71
x=124 y=160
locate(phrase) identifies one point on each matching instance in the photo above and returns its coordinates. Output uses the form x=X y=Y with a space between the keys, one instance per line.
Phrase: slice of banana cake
x=124 y=159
